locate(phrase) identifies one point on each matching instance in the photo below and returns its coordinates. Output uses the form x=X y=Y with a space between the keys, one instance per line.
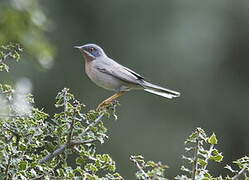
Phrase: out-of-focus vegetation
x=24 y=22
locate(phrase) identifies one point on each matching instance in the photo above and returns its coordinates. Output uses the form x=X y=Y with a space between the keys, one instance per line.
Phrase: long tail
x=160 y=91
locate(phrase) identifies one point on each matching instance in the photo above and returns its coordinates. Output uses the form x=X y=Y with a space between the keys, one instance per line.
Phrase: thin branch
x=141 y=169
x=96 y=121
x=242 y=171
x=209 y=155
x=8 y=167
x=70 y=134
x=62 y=148
x=74 y=143
x=195 y=163
x=55 y=153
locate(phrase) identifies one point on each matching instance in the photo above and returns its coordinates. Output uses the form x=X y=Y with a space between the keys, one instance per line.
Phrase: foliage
x=148 y=170
x=24 y=22
x=202 y=150
x=11 y=51
x=36 y=145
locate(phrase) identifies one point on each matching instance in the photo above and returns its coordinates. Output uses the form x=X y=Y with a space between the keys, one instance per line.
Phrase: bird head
x=91 y=51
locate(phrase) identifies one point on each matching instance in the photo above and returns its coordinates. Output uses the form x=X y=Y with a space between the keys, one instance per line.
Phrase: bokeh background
x=200 y=48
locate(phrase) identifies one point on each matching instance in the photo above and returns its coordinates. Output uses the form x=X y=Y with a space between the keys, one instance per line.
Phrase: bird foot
x=103 y=105
x=107 y=104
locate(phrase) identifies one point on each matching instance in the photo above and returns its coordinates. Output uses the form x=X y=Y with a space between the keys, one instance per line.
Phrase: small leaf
x=206 y=178
x=151 y=164
x=217 y=158
x=212 y=139
x=202 y=162
x=23 y=165
x=80 y=160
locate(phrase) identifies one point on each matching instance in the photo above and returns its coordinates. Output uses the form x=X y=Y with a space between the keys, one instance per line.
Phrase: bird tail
x=160 y=91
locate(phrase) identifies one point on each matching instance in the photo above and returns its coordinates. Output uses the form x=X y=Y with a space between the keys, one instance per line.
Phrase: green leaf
x=91 y=167
x=206 y=178
x=151 y=164
x=23 y=165
x=212 y=139
x=80 y=160
x=4 y=67
x=202 y=162
x=217 y=158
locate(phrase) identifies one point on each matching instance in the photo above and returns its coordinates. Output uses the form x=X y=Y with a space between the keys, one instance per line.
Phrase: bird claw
x=106 y=104
x=103 y=105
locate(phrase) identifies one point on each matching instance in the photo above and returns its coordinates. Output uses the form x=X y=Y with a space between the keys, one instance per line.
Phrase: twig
x=209 y=155
x=69 y=137
x=8 y=167
x=62 y=148
x=242 y=171
x=195 y=163
x=140 y=168
x=96 y=121
x=74 y=143
x=55 y=153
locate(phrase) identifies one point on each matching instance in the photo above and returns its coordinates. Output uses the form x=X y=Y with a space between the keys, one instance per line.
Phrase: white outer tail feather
x=160 y=91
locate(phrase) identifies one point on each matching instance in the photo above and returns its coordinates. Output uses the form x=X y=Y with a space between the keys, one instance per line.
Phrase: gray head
x=91 y=51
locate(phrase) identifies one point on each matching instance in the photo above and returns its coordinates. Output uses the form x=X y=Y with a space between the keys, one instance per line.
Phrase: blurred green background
x=200 y=48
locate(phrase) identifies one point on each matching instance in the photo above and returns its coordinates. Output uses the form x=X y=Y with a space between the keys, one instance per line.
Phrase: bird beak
x=86 y=54
x=77 y=47
x=81 y=49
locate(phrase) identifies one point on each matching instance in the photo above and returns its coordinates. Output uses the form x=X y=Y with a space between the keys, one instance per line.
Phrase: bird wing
x=134 y=73
x=120 y=72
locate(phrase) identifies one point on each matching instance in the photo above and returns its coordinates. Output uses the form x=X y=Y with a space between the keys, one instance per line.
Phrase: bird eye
x=91 y=49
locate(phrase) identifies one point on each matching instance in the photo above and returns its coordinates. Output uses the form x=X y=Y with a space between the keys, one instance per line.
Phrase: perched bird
x=111 y=75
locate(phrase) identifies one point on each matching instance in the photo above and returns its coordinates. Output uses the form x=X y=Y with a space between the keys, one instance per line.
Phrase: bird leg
x=110 y=99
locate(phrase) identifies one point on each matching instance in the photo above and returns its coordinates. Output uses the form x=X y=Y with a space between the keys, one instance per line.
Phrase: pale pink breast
x=102 y=79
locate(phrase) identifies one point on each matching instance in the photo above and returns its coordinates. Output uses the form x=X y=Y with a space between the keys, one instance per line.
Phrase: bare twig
x=209 y=155
x=195 y=163
x=55 y=153
x=75 y=143
x=62 y=148
x=140 y=168
x=242 y=171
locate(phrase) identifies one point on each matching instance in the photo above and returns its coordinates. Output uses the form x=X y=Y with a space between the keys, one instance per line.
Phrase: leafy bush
x=36 y=145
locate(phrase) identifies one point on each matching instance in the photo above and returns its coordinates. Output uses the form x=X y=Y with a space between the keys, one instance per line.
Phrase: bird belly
x=105 y=81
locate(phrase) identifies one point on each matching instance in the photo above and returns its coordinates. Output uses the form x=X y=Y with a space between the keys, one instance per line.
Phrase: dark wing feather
x=134 y=73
